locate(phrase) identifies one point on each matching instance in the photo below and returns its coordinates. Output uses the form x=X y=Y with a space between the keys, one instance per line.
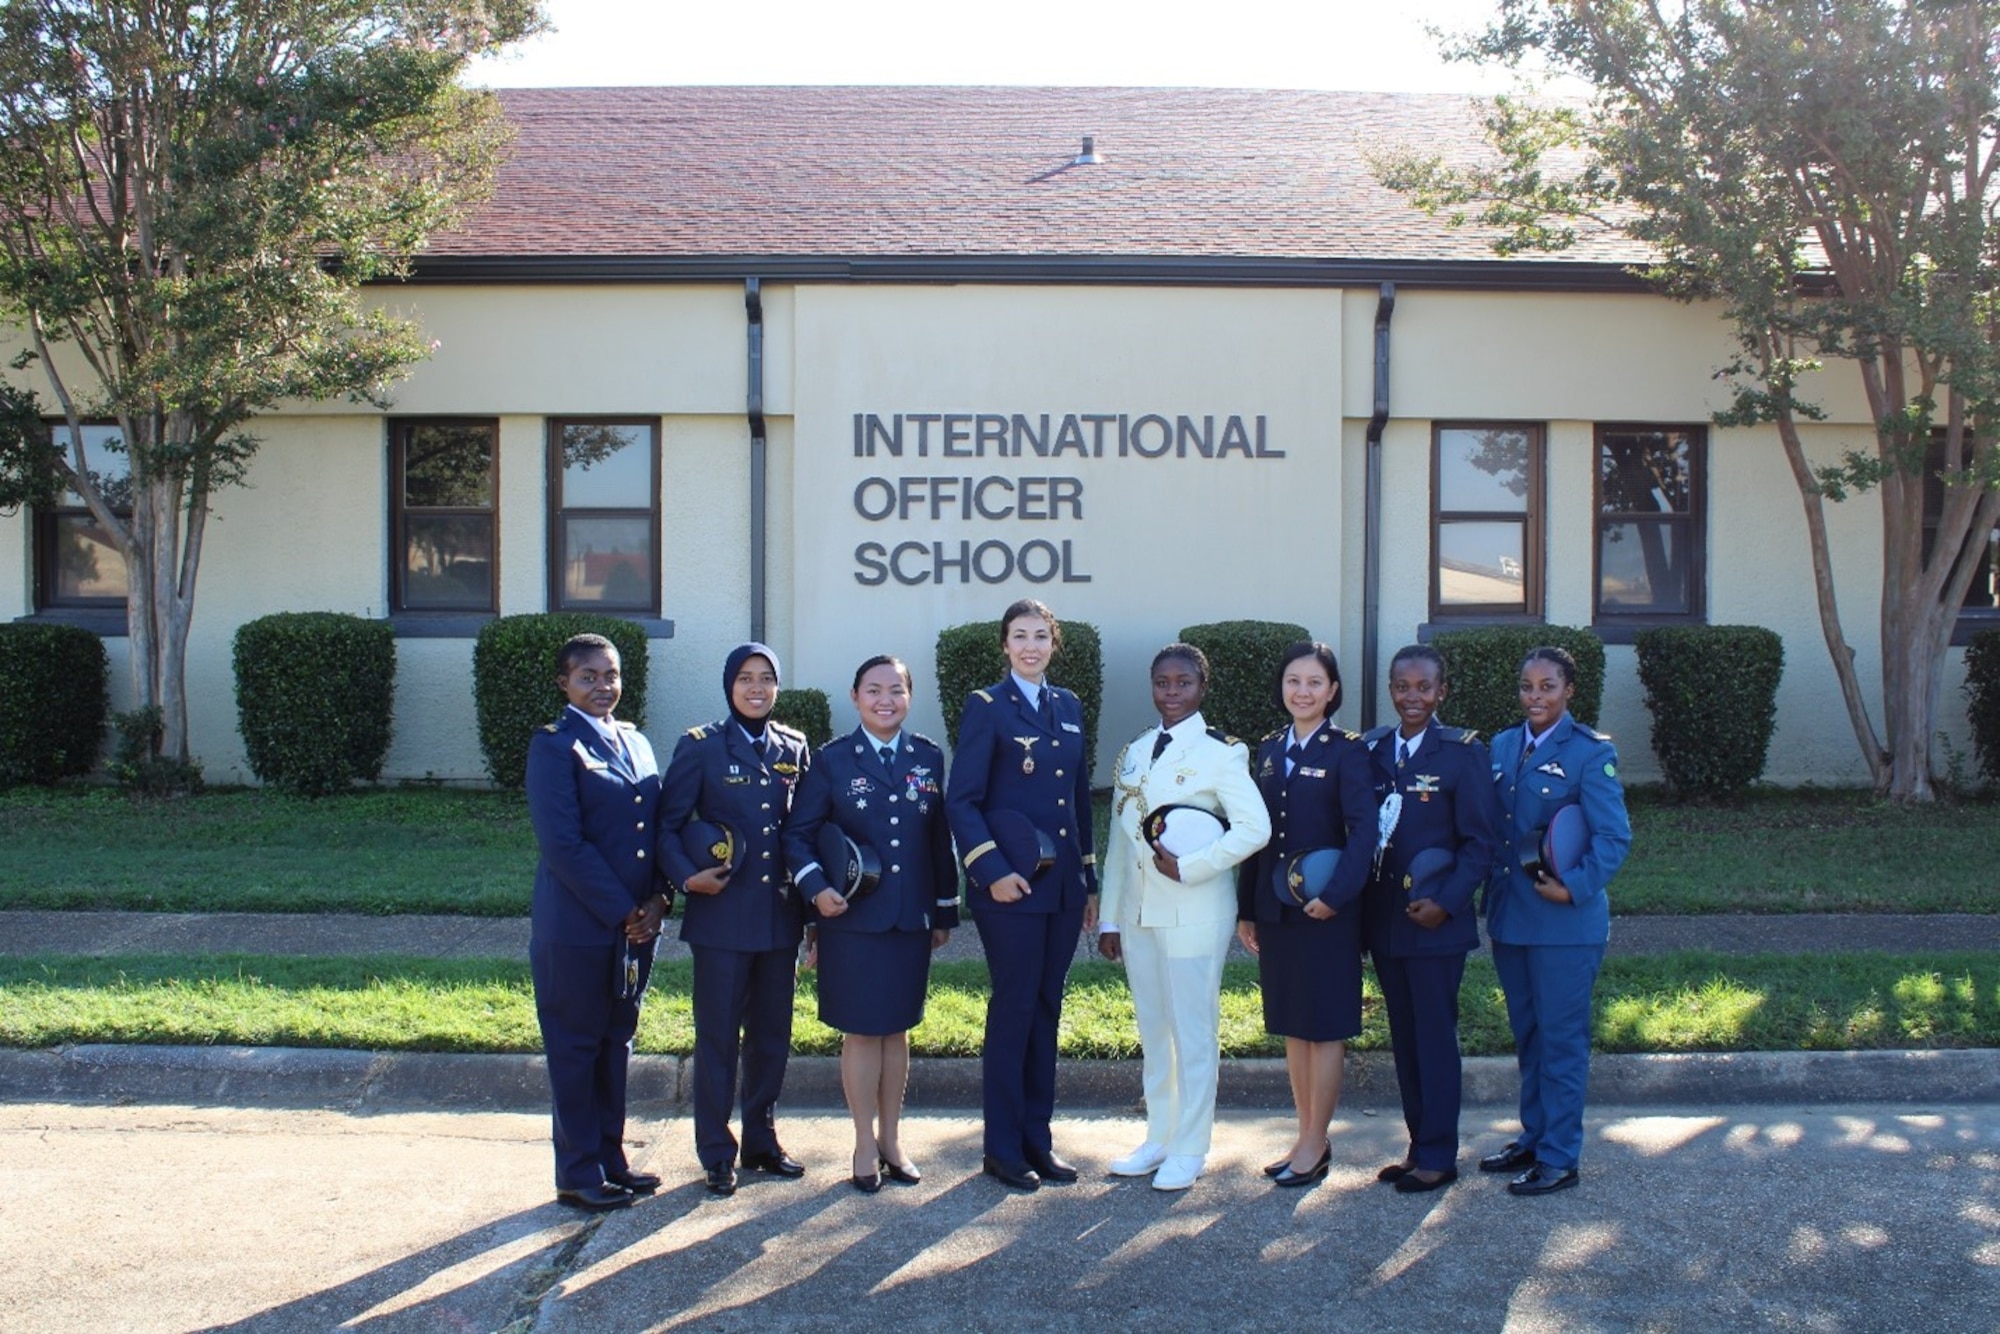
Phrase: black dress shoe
x=1510 y=1159
x=1272 y=1169
x=1541 y=1179
x=867 y=1185
x=597 y=1199
x=1393 y=1172
x=909 y=1176
x=776 y=1163
x=1050 y=1166
x=639 y=1183
x=1411 y=1184
x=1018 y=1175
x=722 y=1180
x=1317 y=1172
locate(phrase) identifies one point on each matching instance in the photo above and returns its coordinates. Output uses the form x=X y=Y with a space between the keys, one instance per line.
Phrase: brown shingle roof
x=967 y=172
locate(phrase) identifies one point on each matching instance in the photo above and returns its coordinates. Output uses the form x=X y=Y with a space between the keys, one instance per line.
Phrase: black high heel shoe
x=1291 y=1180
x=867 y=1185
x=908 y=1176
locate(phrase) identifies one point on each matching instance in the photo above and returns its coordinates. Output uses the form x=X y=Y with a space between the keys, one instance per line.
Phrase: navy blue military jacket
x=718 y=774
x=1326 y=803
x=596 y=815
x=1007 y=760
x=1448 y=803
x=1575 y=766
x=899 y=812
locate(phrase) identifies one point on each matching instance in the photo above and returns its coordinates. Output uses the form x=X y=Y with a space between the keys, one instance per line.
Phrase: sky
x=1357 y=45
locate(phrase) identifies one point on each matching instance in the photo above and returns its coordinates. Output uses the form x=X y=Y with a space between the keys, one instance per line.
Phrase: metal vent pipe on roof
x=1088 y=157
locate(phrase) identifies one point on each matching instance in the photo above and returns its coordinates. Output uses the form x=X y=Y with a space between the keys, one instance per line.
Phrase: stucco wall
x=1163 y=542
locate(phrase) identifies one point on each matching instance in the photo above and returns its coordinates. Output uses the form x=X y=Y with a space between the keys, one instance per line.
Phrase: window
x=1651 y=523
x=1982 y=597
x=442 y=497
x=604 y=515
x=80 y=563
x=1487 y=534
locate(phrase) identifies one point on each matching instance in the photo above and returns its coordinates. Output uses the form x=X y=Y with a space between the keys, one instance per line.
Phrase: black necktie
x=1293 y=754
x=1403 y=749
x=888 y=754
x=1046 y=709
x=1160 y=744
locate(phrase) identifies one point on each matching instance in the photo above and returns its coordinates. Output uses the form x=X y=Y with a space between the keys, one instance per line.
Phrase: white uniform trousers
x=1175 y=973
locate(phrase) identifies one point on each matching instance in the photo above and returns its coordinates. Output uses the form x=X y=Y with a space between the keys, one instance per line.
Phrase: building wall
x=1138 y=546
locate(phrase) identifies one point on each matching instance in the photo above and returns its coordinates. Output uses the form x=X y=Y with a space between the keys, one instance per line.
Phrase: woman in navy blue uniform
x=884 y=787
x=1549 y=932
x=1315 y=783
x=1020 y=751
x=1433 y=846
x=593 y=794
x=742 y=921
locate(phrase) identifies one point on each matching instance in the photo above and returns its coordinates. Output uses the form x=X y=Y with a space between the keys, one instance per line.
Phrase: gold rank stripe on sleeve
x=980 y=851
x=698 y=732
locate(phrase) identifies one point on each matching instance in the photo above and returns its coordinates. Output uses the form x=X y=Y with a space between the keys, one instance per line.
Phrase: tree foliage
x=192 y=193
x=1823 y=170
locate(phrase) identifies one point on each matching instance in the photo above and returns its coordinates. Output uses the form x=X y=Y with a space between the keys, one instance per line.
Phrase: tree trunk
x=1916 y=631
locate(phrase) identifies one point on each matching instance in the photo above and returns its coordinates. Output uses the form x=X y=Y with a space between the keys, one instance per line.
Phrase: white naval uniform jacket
x=1200 y=767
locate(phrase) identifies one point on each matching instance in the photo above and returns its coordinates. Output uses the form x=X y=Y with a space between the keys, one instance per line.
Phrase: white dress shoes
x=1179 y=1171
x=1140 y=1162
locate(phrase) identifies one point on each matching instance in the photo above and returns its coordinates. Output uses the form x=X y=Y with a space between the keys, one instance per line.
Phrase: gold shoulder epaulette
x=1273 y=735
x=548 y=727
x=698 y=732
x=1224 y=737
x=984 y=695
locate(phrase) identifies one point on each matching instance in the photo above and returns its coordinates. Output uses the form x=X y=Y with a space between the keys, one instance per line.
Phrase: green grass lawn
x=400 y=850
x=1670 y=1003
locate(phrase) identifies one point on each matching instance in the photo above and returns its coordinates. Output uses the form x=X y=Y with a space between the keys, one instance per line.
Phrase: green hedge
x=969 y=658
x=315 y=693
x=1982 y=693
x=1242 y=658
x=808 y=709
x=1484 y=665
x=53 y=700
x=1713 y=693
x=514 y=680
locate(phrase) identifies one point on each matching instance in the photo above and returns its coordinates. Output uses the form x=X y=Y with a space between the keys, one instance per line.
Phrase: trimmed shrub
x=315 y=695
x=53 y=702
x=1484 y=665
x=969 y=658
x=1982 y=693
x=1242 y=658
x=514 y=680
x=1713 y=694
x=137 y=765
x=807 y=709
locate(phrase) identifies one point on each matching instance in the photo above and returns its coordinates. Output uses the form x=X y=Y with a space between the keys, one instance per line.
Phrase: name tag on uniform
x=731 y=780
x=1310 y=773
x=1071 y=727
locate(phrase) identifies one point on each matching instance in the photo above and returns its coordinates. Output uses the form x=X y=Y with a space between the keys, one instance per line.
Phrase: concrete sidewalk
x=105 y=933
x=1848 y=1218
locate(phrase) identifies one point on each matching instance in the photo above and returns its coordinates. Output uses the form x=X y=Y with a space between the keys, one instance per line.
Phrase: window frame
x=560 y=514
x=399 y=512
x=1532 y=518
x=47 y=519
x=1692 y=525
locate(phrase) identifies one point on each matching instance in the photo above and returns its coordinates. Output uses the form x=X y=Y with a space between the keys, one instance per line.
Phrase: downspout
x=753 y=302
x=1371 y=536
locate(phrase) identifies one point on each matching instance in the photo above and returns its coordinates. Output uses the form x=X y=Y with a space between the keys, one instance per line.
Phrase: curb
x=370 y=1081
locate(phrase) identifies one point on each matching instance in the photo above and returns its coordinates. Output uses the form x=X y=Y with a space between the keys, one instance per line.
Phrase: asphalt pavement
x=1852 y=1217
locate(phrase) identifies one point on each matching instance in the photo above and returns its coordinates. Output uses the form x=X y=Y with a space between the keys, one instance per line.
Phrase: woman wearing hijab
x=743 y=922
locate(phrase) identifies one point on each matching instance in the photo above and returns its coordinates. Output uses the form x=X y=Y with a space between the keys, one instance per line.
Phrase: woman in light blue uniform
x=884 y=788
x=1549 y=934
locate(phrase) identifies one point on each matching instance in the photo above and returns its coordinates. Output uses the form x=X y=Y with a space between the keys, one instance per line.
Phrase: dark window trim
x=1693 y=525
x=1533 y=610
x=104 y=622
x=559 y=515
x=398 y=539
x=43 y=536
